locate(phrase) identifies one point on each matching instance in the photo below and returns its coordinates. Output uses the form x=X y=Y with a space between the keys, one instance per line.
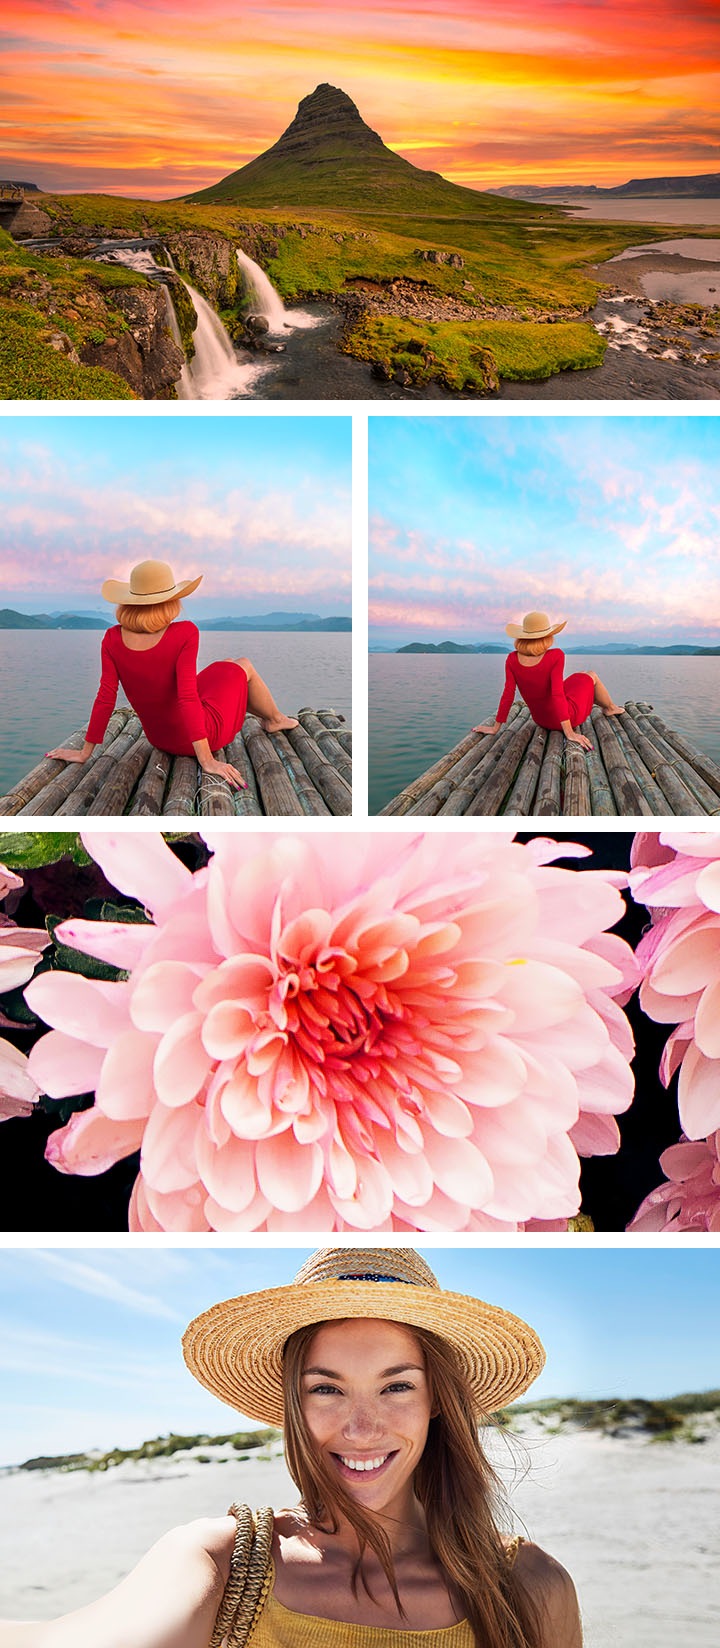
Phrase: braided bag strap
x=249 y=1579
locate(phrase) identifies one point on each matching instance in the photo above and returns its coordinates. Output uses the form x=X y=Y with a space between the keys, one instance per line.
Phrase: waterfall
x=215 y=373
x=268 y=302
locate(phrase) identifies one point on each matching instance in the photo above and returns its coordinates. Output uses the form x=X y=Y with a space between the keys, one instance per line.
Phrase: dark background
x=36 y=1197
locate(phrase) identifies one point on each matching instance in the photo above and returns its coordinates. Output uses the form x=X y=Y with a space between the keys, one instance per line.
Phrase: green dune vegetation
x=439 y=283
x=686 y=1418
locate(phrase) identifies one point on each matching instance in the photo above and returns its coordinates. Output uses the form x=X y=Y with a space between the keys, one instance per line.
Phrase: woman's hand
x=579 y=738
x=70 y=755
x=494 y=728
x=223 y=769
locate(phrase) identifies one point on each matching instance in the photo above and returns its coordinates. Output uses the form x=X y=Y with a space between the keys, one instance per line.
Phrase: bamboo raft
x=305 y=771
x=637 y=766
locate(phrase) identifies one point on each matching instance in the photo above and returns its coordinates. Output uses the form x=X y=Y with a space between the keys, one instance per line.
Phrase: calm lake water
x=421 y=705
x=677 y=210
x=48 y=680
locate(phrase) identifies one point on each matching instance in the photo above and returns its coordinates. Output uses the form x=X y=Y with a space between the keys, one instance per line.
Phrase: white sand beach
x=634 y=1521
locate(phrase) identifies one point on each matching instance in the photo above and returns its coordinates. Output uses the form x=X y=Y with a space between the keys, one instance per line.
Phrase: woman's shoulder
x=551 y=1586
x=184 y=630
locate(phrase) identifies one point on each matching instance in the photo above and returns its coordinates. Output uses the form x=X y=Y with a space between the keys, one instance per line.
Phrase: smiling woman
x=380 y=1380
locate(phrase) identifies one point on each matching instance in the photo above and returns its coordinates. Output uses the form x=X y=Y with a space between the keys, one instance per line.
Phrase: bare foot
x=281 y=723
x=615 y=709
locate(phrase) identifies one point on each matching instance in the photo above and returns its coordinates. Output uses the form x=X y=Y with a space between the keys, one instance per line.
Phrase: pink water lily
x=677 y=875
x=369 y=1032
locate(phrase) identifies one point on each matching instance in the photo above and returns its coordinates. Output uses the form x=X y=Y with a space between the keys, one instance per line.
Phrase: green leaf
x=101 y=909
x=63 y=1109
x=15 y=1007
x=31 y=850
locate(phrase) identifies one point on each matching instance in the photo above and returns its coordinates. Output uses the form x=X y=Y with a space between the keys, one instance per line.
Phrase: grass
x=30 y=369
x=40 y=296
x=161 y=1447
x=470 y=356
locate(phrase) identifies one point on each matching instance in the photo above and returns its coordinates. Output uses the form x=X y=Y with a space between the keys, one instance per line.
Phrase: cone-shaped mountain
x=329 y=157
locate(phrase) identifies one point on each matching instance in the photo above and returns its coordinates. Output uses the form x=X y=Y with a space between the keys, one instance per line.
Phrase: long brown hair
x=455 y=1484
x=147 y=620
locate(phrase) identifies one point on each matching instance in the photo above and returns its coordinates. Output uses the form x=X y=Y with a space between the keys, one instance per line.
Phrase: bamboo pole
x=576 y=789
x=519 y=801
x=708 y=802
x=678 y=798
x=630 y=798
x=111 y=798
x=602 y=800
x=151 y=789
x=452 y=797
x=330 y=784
x=56 y=776
x=181 y=796
x=246 y=803
x=701 y=764
x=74 y=788
x=276 y=791
x=422 y=785
x=327 y=743
x=310 y=798
x=425 y=782
x=494 y=788
x=548 y=801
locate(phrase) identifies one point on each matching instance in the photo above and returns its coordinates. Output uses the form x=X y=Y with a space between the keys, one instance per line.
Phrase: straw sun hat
x=236 y=1348
x=150 y=582
x=534 y=627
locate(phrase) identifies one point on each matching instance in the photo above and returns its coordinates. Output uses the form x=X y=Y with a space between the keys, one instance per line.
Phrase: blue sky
x=90 y=1338
x=260 y=505
x=612 y=522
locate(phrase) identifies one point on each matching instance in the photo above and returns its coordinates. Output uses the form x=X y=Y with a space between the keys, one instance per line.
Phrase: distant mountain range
x=287 y=621
x=618 y=647
x=704 y=187
x=328 y=156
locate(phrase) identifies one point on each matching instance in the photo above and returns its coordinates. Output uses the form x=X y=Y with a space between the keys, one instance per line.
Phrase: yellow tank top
x=280 y=1627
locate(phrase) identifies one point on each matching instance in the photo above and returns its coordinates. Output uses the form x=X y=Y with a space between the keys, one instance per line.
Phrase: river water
x=422 y=704
x=48 y=679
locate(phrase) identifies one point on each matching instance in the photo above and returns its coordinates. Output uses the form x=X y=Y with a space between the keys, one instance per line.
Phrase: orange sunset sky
x=160 y=97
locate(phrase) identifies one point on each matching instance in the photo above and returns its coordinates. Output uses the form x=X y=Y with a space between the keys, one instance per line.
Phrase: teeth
x=365 y=1464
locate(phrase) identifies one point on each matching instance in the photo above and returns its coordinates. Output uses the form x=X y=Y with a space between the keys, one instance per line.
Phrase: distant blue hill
x=681 y=650
x=285 y=621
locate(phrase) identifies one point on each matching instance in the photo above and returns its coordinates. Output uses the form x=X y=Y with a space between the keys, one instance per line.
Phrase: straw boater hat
x=236 y=1348
x=150 y=582
x=534 y=626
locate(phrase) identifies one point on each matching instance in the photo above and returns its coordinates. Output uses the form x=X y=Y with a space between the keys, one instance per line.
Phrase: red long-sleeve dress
x=549 y=699
x=176 y=706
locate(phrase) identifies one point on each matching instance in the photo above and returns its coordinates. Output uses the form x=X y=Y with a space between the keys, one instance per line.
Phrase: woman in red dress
x=154 y=659
x=535 y=670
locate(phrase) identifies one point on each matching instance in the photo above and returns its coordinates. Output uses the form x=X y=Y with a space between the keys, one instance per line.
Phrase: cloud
x=93 y=1279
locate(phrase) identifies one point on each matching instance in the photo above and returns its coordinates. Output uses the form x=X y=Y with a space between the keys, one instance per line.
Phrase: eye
x=323 y=1390
x=399 y=1385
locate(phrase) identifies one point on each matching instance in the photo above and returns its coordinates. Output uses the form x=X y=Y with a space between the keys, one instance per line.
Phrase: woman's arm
x=170 y=1599
x=505 y=702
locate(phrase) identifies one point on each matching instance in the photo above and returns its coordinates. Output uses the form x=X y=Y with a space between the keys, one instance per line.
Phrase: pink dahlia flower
x=677 y=875
x=690 y=1199
x=18 y=1092
x=371 y=1032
